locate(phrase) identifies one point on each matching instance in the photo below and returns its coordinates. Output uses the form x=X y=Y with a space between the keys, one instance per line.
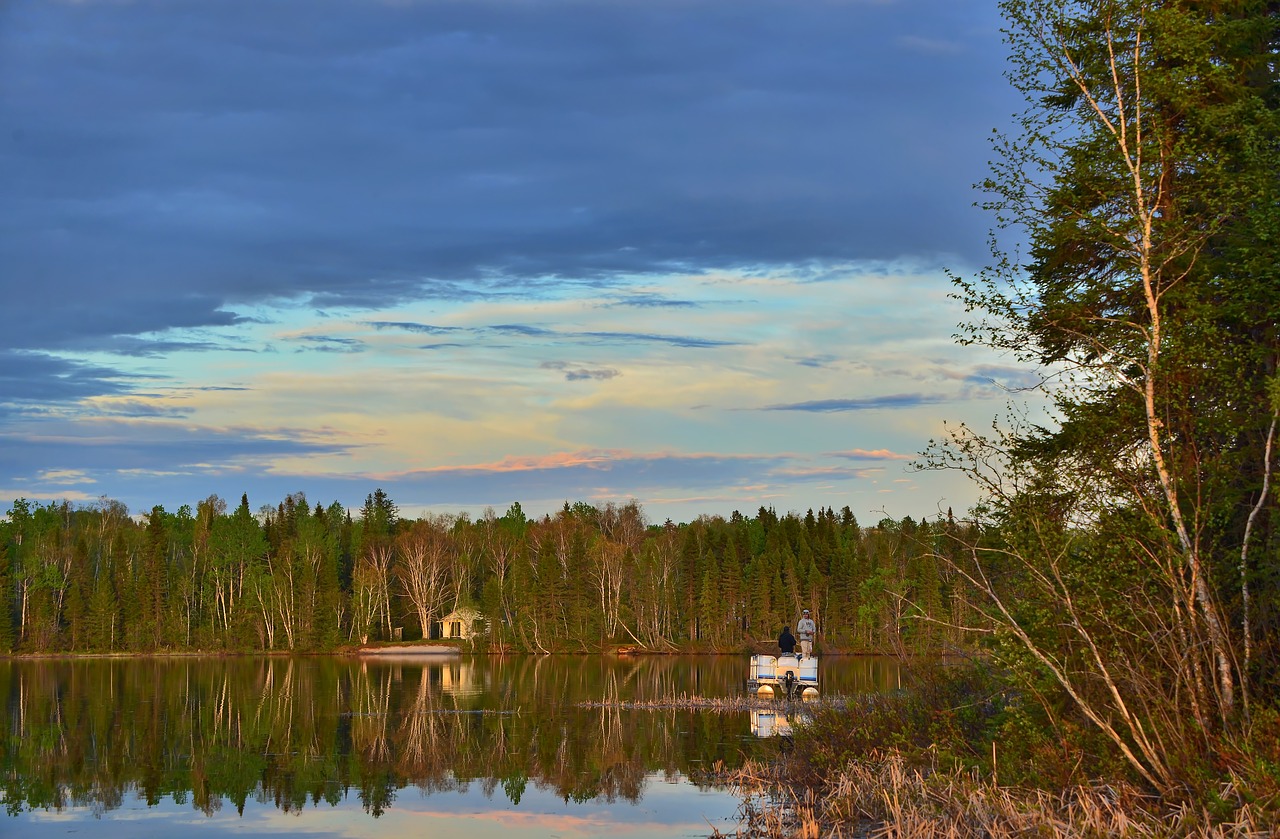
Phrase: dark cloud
x=329 y=343
x=137 y=408
x=38 y=379
x=168 y=164
x=1009 y=378
x=653 y=301
x=686 y=341
x=525 y=330
x=115 y=447
x=521 y=329
x=152 y=348
x=818 y=361
x=405 y=326
x=673 y=340
x=870 y=403
x=574 y=373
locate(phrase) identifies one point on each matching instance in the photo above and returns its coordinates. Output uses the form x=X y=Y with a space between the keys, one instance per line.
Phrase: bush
x=947 y=715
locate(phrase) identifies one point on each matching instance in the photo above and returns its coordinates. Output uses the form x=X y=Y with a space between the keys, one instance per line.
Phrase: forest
x=1118 y=584
x=296 y=577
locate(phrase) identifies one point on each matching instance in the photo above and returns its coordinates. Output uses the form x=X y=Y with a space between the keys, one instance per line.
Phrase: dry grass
x=773 y=809
x=722 y=704
x=888 y=800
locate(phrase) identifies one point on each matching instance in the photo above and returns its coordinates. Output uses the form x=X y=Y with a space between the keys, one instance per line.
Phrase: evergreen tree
x=1143 y=178
x=379 y=516
x=7 y=636
x=150 y=582
x=103 y=616
x=710 y=604
x=732 y=590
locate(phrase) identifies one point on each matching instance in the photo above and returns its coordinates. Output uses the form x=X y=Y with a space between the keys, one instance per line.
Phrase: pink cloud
x=873 y=454
x=589 y=458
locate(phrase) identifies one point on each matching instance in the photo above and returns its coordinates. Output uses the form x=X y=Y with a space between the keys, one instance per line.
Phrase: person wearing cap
x=805 y=629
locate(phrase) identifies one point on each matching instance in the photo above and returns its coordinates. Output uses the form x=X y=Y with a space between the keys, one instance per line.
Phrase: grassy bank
x=961 y=755
x=888 y=797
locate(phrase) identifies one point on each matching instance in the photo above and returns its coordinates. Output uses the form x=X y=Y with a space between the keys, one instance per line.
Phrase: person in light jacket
x=806 y=629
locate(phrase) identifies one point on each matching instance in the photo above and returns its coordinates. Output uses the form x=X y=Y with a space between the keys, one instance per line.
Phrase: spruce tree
x=7 y=637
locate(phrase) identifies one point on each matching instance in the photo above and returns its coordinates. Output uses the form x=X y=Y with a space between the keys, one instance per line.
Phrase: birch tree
x=1143 y=183
x=425 y=570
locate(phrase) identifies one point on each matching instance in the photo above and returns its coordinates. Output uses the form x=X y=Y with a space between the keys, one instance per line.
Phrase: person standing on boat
x=806 y=629
x=787 y=641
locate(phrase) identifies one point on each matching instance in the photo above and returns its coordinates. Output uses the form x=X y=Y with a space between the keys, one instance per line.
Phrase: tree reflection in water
x=293 y=731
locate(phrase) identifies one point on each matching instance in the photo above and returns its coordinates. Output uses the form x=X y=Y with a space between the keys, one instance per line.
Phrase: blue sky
x=690 y=252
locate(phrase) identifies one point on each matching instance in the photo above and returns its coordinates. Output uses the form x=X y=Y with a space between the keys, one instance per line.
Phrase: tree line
x=295 y=577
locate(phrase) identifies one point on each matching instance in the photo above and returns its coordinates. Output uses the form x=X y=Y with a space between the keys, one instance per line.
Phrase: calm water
x=326 y=747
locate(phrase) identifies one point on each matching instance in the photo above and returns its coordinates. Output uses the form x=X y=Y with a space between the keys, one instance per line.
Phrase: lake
x=485 y=746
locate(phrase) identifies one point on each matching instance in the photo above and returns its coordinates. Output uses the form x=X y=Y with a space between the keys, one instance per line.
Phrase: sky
x=692 y=253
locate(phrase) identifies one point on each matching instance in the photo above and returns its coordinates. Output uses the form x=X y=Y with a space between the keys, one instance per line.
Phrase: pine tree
x=7 y=636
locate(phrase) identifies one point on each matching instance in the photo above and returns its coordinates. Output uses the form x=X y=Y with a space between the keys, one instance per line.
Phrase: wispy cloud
x=115 y=443
x=154 y=348
x=873 y=454
x=65 y=477
x=674 y=340
x=522 y=329
x=932 y=46
x=1009 y=378
x=575 y=373
x=870 y=403
x=406 y=326
x=536 y=463
x=134 y=408
x=815 y=473
x=817 y=361
x=43 y=378
x=329 y=343
x=649 y=300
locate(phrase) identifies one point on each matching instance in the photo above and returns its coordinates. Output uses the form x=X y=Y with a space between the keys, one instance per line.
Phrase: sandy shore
x=404 y=649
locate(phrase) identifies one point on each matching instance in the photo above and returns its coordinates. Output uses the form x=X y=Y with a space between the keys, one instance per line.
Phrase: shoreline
x=411 y=649
x=408 y=650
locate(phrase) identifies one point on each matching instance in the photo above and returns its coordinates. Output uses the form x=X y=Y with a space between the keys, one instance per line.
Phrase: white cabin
x=461 y=624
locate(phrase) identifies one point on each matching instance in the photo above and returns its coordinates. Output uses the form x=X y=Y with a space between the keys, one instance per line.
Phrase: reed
x=718 y=704
x=889 y=799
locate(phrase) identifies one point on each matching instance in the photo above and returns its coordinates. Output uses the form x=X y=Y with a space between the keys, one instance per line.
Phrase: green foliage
x=6 y=602
x=95 y=579
x=1111 y=557
x=947 y=714
x=379 y=516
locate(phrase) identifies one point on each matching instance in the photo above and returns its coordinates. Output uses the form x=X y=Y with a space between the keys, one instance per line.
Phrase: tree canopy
x=1143 y=185
x=296 y=577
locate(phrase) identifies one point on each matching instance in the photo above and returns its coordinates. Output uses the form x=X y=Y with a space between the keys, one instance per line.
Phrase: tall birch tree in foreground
x=1143 y=183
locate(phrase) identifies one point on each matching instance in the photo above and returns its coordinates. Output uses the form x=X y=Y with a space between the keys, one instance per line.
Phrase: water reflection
x=219 y=733
x=770 y=723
